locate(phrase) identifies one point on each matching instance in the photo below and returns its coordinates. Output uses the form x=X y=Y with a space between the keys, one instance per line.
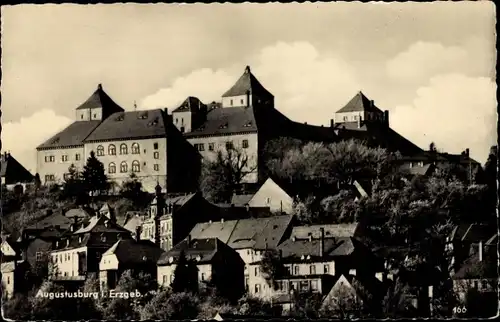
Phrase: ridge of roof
x=247 y=84
x=359 y=103
x=100 y=99
x=191 y=103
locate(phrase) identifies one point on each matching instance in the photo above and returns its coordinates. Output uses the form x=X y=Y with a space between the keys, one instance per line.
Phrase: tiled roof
x=297 y=248
x=132 y=125
x=12 y=170
x=190 y=104
x=226 y=121
x=72 y=135
x=98 y=224
x=256 y=233
x=241 y=200
x=333 y=230
x=132 y=221
x=205 y=248
x=9 y=267
x=247 y=83
x=359 y=103
x=130 y=251
x=99 y=99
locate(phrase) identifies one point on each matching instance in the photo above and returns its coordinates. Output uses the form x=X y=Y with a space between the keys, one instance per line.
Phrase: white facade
x=108 y=262
x=54 y=163
x=66 y=261
x=237 y=101
x=166 y=274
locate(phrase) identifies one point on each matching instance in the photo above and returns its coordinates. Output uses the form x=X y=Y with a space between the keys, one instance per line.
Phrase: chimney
x=247 y=70
x=322 y=242
x=138 y=233
x=189 y=240
x=280 y=252
x=467 y=152
x=332 y=123
x=99 y=86
x=386 y=118
x=222 y=220
x=165 y=110
x=481 y=251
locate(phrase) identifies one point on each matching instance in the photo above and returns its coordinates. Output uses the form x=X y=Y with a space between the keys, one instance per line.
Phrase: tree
x=17 y=308
x=132 y=190
x=166 y=305
x=432 y=147
x=185 y=275
x=224 y=175
x=272 y=267
x=74 y=187
x=307 y=305
x=249 y=305
x=397 y=303
x=94 y=176
x=37 y=182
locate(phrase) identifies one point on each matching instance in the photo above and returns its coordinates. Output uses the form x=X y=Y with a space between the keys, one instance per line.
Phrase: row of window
x=64 y=158
x=135 y=149
x=211 y=146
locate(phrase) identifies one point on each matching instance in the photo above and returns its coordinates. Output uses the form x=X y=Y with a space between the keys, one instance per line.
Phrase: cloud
x=22 y=137
x=423 y=60
x=307 y=86
x=454 y=111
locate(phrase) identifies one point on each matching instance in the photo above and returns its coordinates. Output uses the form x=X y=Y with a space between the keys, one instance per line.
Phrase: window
x=100 y=151
x=202 y=276
x=64 y=158
x=355 y=117
x=103 y=239
x=156 y=167
x=245 y=144
x=229 y=145
x=39 y=256
x=182 y=129
x=257 y=271
x=95 y=115
x=211 y=146
x=155 y=146
x=241 y=101
x=98 y=255
x=231 y=102
x=326 y=268
x=49 y=177
x=50 y=158
x=135 y=148
x=296 y=270
x=345 y=118
x=257 y=288
x=312 y=269
x=123 y=167
x=176 y=120
x=201 y=147
x=112 y=168
x=171 y=278
x=136 y=166
x=8 y=279
x=81 y=117
x=112 y=149
x=246 y=283
x=314 y=285
x=123 y=149
x=156 y=155
x=165 y=279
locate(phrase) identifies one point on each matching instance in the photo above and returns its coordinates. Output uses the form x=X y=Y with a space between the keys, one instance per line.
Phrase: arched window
x=135 y=148
x=100 y=151
x=123 y=148
x=112 y=149
x=123 y=167
x=136 y=166
x=112 y=168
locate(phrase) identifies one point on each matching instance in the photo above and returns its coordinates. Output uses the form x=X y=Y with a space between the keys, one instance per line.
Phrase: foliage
x=74 y=187
x=223 y=176
x=249 y=305
x=94 y=176
x=272 y=267
x=398 y=301
x=132 y=190
x=166 y=305
x=340 y=208
x=17 y=308
x=185 y=275
x=307 y=305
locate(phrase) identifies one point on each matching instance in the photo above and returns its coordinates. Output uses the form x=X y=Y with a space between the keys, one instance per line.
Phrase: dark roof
x=131 y=251
x=56 y=219
x=190 y=104
x=332 y=230
x=12 y=170
x=99 y=99
x=359 y=103
x=425 y=170
x=247 y=83
x=241 y=200
x=73 y=135
x=297 y=248
x=100 y=224
x=226 y=121
x=202 y=250
x=132 y=125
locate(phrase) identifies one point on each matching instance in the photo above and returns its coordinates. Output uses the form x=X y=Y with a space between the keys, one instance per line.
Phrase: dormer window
x=143 y=115
x=223 y=126
x=248 y=124
x=119 y=118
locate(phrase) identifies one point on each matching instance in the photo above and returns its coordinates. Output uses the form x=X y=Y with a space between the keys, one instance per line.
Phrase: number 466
x=460 y=310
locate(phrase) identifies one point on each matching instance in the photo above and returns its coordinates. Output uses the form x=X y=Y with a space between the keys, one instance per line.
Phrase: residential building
x=13 y=277
x=217 y=265
x=271 y=195
x=10 y=250
x=79 y=251
x=140 y=256
x=125 y=142
x=12 y=173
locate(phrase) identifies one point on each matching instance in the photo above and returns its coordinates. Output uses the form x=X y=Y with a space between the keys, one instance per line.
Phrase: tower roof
x=99 y=99
x=359 y=103
x=247 y=83
x=190 y=104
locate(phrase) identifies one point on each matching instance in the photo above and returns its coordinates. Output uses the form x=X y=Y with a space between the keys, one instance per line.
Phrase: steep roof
x=130 y=251
x=205 y=248
x=73 y=135
x=133 y=220
x=12 y=170
x=100 y=224
x=99 y=99
x=56 y=219
x=423 y=171
x=247 y=83
x=295 y=248
x=227 y=120
x=190 y=104
x=241 y=200
x=132 y=125
x=359 y=103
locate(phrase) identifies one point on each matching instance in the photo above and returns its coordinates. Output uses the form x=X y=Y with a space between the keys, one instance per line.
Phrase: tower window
x=100 y=151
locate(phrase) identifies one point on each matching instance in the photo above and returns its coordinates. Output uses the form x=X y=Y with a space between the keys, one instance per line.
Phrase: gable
x=269 y=190
x=7 y=249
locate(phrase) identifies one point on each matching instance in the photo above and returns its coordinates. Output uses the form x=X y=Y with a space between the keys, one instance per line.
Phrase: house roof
x=73 y=135
x=99 y=99
x=131 y=251
x=247 y=83
x=190 y=104
x=297 y=248
x=203 y=250
x=241 y=200
x=423 y=171
x=100 y=224
x=133 y=220
x=359 y=103
x=473 y=232
x=132 y=125
x=80 y=212
x=245 y=233
x=332 y=230
x=12 y=170
x=56 y=219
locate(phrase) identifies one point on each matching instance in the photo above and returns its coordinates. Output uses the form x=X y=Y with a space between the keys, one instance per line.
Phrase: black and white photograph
x=242 y=161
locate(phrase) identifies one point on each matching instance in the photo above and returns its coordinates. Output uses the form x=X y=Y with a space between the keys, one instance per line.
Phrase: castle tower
x=361 y=110
x=189 y=115
x=247 y=92
x=97 y=107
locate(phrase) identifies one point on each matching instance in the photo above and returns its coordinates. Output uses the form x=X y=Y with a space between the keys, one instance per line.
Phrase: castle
x=143 y=142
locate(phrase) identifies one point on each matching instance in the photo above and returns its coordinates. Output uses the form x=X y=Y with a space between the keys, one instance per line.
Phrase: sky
x=432 y=65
